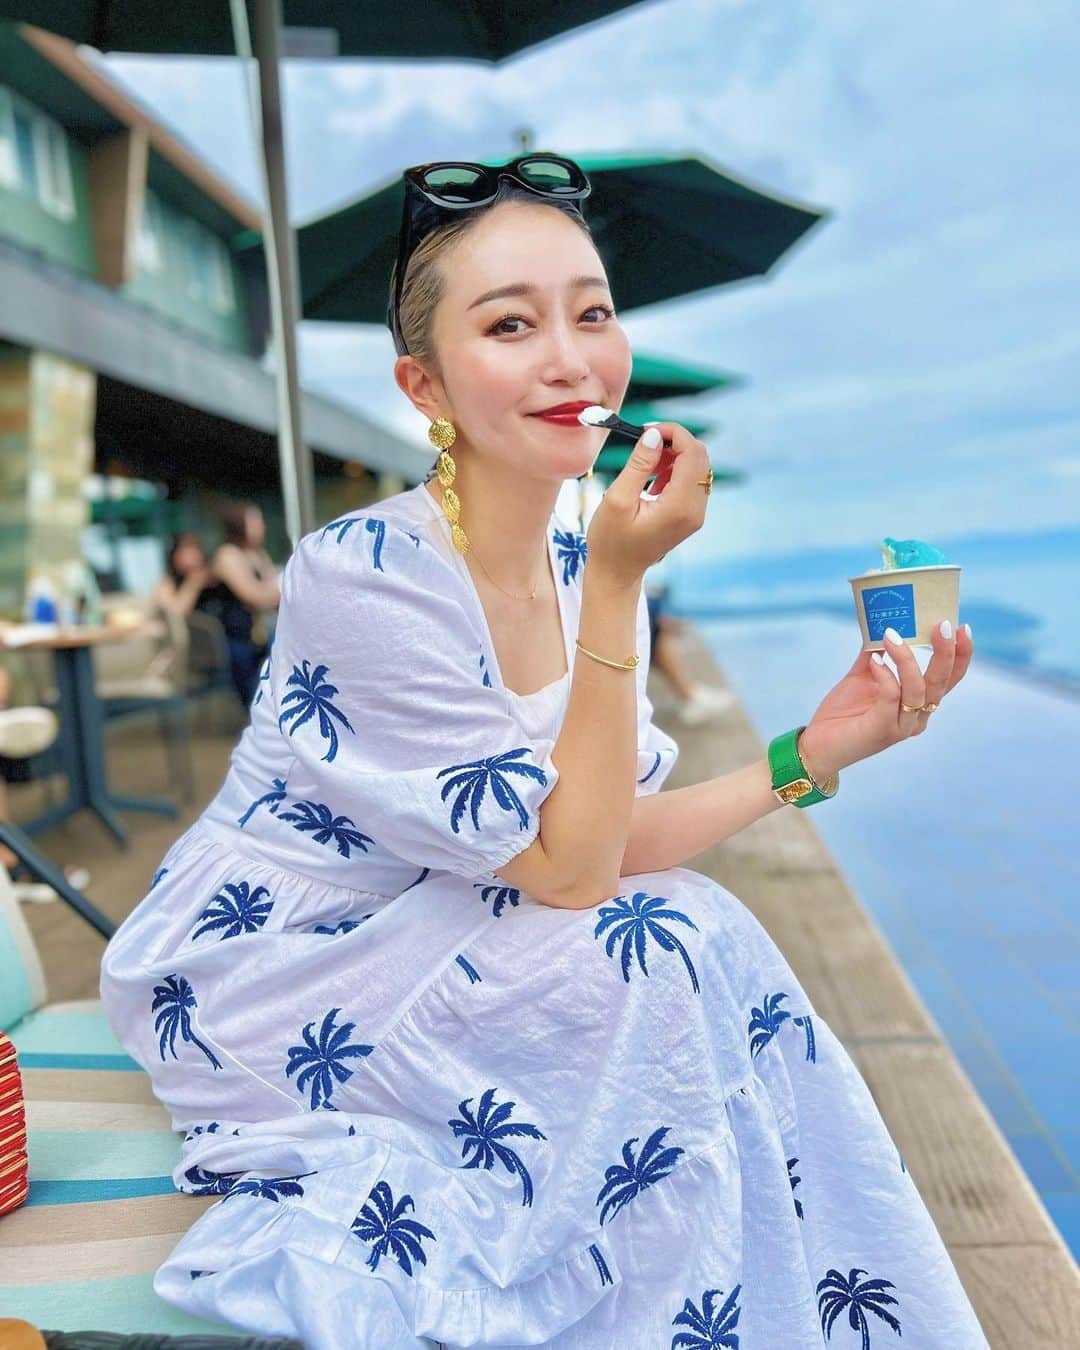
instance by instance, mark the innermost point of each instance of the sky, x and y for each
(913, 364)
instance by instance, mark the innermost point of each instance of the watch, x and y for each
(792, 782)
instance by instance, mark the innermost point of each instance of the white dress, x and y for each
(439, 1111)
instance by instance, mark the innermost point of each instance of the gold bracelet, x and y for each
(629, 664)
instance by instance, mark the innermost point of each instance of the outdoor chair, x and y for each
(149, 674)
(102, 1212)
(208, 662)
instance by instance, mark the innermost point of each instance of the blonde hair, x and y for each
(425, 280)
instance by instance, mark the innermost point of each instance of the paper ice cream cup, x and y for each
(913, 600)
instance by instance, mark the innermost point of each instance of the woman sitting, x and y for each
(246, 585)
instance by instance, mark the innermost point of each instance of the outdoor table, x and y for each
(82, 736)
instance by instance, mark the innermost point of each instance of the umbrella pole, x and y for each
(294, 458)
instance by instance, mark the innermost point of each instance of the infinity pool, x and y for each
(964, 845)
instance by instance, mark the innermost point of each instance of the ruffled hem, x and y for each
(251, 1242)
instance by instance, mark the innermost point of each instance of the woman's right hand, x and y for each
(626, 534)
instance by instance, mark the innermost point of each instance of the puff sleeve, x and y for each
(380, 689)
(657, 751)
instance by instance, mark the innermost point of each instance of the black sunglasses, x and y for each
(431, 190)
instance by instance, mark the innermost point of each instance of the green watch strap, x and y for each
(791, 780)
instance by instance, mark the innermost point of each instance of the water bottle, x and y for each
(41, 600)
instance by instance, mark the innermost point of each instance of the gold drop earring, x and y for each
(442, 433)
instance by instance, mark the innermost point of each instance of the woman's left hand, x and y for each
(862, 715)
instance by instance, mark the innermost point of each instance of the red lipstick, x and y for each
(563, 414)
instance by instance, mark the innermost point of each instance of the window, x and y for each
(9, 164)
(148, 251)
(34, 156)
(53, 168)
(210, 270)
(25, 155)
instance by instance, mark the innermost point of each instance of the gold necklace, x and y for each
(530, 596)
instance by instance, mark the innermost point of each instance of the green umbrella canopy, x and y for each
(655, 377)
(664, 225)
(612, 460)
(481, 30)
(645, 412)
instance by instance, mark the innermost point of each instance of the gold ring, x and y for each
(706, 483)
(914, 707)
(931, 707)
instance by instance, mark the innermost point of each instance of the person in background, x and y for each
(245, 587)
(187, 575)
(698, 702)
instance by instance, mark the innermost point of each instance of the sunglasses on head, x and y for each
(457, 185)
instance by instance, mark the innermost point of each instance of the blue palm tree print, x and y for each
(240, 910)
(269, 1188)
(795, 1181)
(203, 1182)
(157, 876)
(318, 1063)
(835, 1294)
(623, 1181)
(264, 677)
(342, 926)
(634, 921)
(765, 1022)
(173, 1002)
(212, 1128)
(471, 971)
(484, 1132)
(711, 1327)
(807, 1025)
(601, 1265)
(373, 525)
(309, 695)
(271, 800)
(504, 895)
(470, 782)
(572, 552)
(655, 766)
(383, 1222)
(320, 822)
(486, 681)
(340, 527)
(418, 880)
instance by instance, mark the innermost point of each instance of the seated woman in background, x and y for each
(187, 575)
(246, 585)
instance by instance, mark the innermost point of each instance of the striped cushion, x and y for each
(102, 1213)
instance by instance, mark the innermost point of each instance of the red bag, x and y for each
(14, 1169)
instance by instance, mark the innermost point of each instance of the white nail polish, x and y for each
(893, 635)
(651, 438)
(877, 658)
(967, 629)
(946, 629)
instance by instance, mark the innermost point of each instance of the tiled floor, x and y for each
(962, 844)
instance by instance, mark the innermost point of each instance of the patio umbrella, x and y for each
(616, 450)
(665, 226)
(482, 30)
(656, 377)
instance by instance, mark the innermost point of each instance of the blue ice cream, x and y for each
(910, 553)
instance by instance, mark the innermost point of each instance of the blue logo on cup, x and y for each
(889, 607)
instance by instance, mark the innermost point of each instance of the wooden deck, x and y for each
(1021, 1278)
